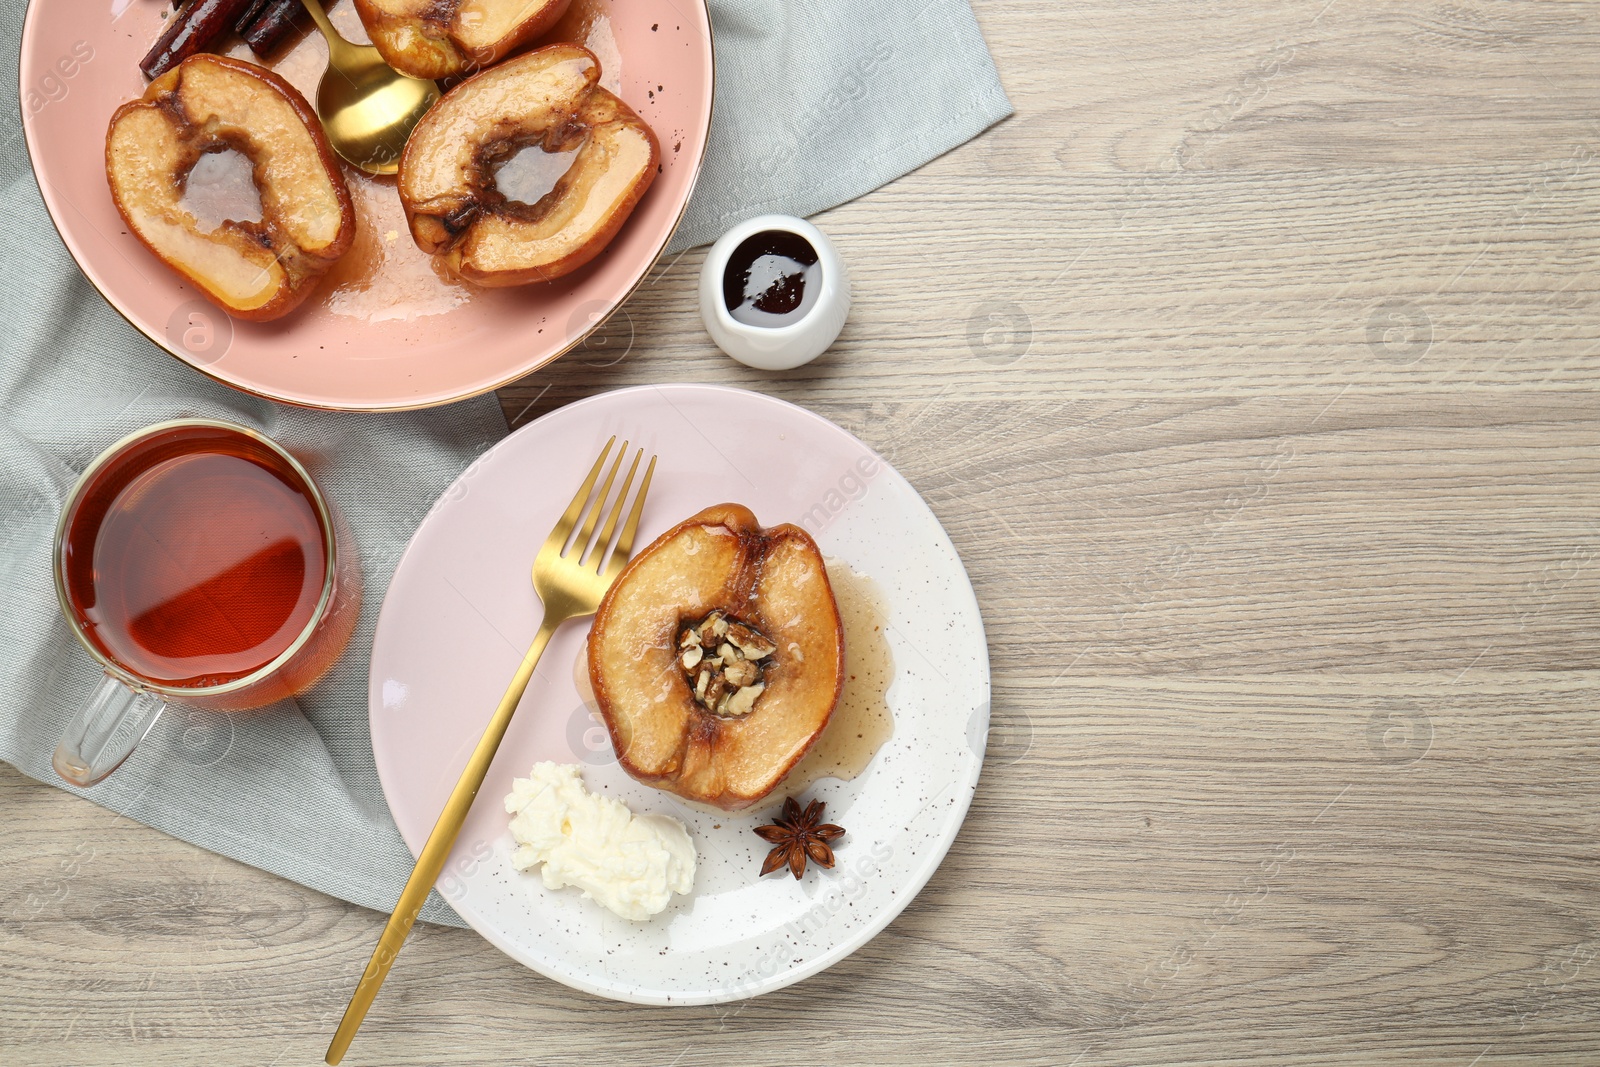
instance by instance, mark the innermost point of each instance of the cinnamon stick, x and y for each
(271, 23)
(250, 14)
(198, 26)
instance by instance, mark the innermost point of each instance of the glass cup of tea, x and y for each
(198, 562)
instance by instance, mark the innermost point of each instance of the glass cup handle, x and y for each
(105, 731)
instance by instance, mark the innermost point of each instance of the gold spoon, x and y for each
(368, 108)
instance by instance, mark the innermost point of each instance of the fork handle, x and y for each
(431, 862)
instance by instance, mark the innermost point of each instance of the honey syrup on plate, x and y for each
(588, 22)
(862, 722)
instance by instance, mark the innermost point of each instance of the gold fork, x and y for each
(570, 577)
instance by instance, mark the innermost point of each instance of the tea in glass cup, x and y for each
(196, 561)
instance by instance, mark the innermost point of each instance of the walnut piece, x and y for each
(724, 661)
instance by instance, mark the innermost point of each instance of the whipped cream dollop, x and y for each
(631, 864)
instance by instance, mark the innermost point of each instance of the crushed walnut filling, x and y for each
(725, 662)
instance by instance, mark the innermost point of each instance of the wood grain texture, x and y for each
(1251, 368)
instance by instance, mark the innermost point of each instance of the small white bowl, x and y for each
(775, 347)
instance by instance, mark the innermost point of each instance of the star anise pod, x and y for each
(799, 835)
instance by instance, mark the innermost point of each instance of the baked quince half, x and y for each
(717, 657)
(526, 171)
(254, 269)
(444, 38)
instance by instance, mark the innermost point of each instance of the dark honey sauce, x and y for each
(772, 279)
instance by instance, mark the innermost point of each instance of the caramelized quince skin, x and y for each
(772, 579)
(549, 98)
(255, 270)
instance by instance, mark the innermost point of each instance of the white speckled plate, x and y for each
(461, 611)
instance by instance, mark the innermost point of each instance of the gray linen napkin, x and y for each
(819, 104)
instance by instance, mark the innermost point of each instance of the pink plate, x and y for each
(384, 331)
(461, 612)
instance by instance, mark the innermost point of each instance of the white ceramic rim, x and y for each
(716, 263)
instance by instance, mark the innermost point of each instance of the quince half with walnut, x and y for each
(580, 157)
(444, 38)
(255, 270)
(717, 657)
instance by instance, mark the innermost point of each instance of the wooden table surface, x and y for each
(1251, 367)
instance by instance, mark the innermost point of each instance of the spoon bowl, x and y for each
(368, 109)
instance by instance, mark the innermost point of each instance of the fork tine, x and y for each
(624, 549)
(563, 529)
(581, 542)
(598, 553)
